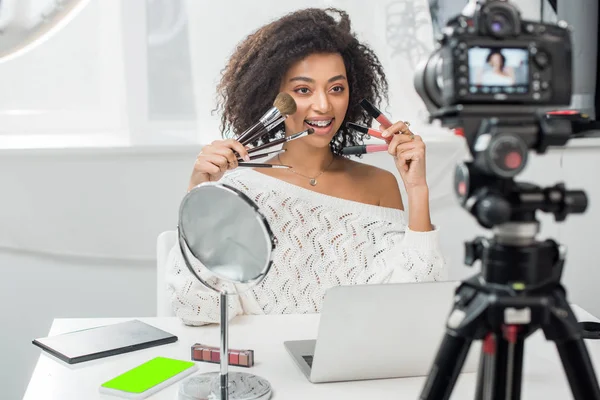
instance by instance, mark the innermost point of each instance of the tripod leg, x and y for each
(465, 324)
(564, 330)
(508, 368)
(514, 364)
(446, 367)
(486, 371)
(500, 368)
(579, 370)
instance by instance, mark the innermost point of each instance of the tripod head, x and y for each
(486, 188)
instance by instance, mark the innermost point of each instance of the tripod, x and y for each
(517, 291)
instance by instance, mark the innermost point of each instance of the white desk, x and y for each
(52, 379)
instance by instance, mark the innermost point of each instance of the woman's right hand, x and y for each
(215, 159)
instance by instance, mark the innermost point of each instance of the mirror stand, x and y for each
(225, 385)
(225, 232)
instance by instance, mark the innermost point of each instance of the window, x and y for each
(117, 74)
(70, 85)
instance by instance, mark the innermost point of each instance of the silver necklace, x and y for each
(312, 180)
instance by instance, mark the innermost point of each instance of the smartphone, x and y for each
(148, 378)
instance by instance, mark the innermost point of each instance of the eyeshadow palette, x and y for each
(211, 354)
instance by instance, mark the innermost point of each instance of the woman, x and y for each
(348, 226)
(496, 74)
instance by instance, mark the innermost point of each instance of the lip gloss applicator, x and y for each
(369, 131)
(375, 113)
(379, 116)
(364, 149)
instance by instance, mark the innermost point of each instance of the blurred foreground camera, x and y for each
(490, 78)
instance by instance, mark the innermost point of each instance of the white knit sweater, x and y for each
(322, 241)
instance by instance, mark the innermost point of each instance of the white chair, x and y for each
(165, 242)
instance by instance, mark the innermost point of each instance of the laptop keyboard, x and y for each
(309, 360)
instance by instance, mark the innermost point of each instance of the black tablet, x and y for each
(104, 341)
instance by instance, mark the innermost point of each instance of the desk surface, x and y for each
(52, 379)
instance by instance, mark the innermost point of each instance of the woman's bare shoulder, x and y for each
(363, 170)
(380, 183)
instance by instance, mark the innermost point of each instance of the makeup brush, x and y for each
(276, 142)
(283, 106)
(262, 165)
(261, 155)
(275, 123)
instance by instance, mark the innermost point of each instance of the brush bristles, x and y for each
(285, 104)
(310, 131)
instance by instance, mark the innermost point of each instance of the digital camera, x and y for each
(494, 57)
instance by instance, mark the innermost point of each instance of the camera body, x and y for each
(491, 75)
(495, 57)
(541, 73)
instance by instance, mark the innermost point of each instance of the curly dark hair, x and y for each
(251, 79)
(496, 51)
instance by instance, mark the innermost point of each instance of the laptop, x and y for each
(379, 331)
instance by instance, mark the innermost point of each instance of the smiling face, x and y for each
(319, 85)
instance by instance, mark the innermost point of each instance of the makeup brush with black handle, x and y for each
(276, 142)
(283, 106)
(262, 155)
(262, 165)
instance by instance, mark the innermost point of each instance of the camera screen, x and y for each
(493, 70)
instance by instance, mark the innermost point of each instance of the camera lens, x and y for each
(428, 80)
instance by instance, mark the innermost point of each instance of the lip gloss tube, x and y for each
(368, 131)
(212, 354)
(375, 113)
(364, 149)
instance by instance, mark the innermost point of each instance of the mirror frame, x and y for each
(272, 241)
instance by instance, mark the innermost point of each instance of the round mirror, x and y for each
(224, 230)
(24, 24)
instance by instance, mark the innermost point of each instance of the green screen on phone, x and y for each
(148, 375)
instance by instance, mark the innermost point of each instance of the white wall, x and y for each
(116, 202)
(79, 225)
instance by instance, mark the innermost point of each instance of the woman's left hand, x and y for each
(409, 154)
